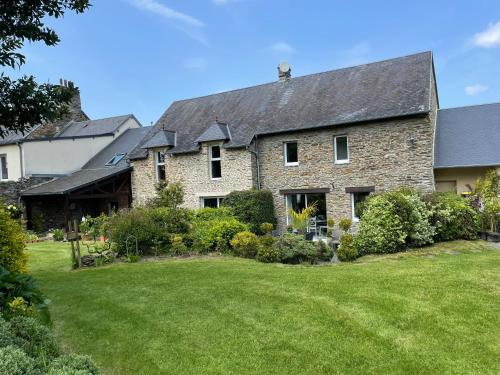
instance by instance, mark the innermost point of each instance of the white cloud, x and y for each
(189, 25)
(489, 37)
(164, 11)
(196, 63)
(476, 89)
(282, 47)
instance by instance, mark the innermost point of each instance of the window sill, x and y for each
(342, 162)
(216, 179)
(291, 164)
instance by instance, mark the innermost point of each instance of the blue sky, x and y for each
(137, 56)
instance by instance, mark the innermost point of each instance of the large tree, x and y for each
(23, 102)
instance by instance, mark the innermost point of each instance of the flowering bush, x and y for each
(392, 221)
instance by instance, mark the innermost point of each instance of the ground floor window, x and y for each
(299, 201)
(4, 173)
(357, 200)
(213, 202)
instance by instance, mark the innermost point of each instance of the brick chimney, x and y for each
(284, 72)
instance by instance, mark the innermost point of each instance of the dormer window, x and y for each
(160, 166)
(115, 160)
(215, 162)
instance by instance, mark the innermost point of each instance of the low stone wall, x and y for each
(10, 191)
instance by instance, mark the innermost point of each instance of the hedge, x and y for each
(252, 207)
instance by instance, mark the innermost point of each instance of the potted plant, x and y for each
(300, 220)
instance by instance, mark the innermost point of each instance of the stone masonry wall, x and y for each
(380, 155)
(143, 180)
(193, 171)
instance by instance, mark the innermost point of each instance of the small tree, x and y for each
(170, 195)
(488, 189)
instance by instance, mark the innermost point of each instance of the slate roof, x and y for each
(215, 132)
(162, 138)
(12, 138)
(385, 89)
(95, 170)
(93, 127)
(468, 136)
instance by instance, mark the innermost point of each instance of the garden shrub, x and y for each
(268, 254)
(222, 232)
(15, 285)
(392, 221)
(294, 249)
(168, 195)
(245, 244)
(324, 251)
(177, 245)
(209, 213)
(266, 228)
(345, 224)
(6, 336)
(13, 361)
(346, 250)
(452, 216)
(213, 228)
(33, 338)
(73, 364)
(38, 222)
(12, 255)
(252, 207)
(176, 221)
(136, 224)
(58, 235)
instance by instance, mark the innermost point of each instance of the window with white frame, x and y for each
(291, 153)
(160, 166)
(212, 202)
(357, 200)
(4, 172)
(215, 162)
(341, 146)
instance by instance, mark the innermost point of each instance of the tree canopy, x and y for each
(23, 102)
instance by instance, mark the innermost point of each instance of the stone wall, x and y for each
(143, 180)
(10, 191)
(381, 154)
(192, 170)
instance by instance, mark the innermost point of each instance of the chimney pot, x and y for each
(284, 72)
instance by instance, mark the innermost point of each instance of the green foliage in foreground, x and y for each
(433, 310)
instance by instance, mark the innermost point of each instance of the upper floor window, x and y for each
(160, 166)
(4, 173)
(341, 149)
(215, 162)
(291, 154)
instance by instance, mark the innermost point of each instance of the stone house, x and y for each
(329, 138)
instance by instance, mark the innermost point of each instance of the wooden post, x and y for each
(70, 238)
(77, 233)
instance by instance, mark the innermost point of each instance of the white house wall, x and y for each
(13, 161)
(64, 156)
(60, 156)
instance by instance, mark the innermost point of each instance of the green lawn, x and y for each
(435, 310)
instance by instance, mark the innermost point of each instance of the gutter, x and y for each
(21, 157)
